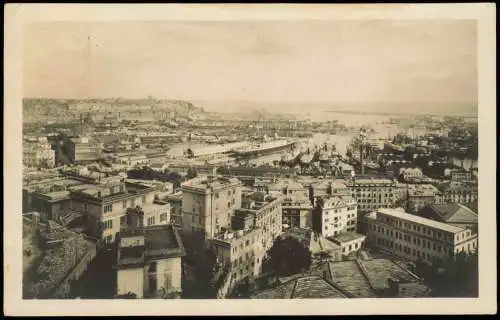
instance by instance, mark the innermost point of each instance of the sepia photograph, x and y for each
(252, 158)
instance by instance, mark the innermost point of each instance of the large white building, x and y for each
(413, 237)
(335, 215)
(253, 231)
(373, 193)
(208, 204)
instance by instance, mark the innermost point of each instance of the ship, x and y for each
(306, 159)
(323, 156)
(290, 157)
(259, 149)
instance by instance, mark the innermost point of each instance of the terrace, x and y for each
(378, 271)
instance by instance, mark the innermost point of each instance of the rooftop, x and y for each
(161, 242)
(67, 248)
(346, 237)
(214, 183)
(454, 212)
(420, 220)
(337, 201)
(308, 287)
(378, 271)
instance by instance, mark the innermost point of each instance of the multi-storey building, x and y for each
(39, 154)
(297, 208)
(335, 215)
(452, 213)
(208, 204)
(149, 262)
(297, 212)
(420, 196)
(374, 193)
(456, 192)
(81, 149)
(413, 237)
(253, 231)
(175, 201)
(107, 205)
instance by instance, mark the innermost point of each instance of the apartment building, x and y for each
(297, 212)
(456, 192)
(39, 154)
(420, 196)
(373, 193)
(149, 262)
(335, 215)
(413, 237)
(175, 201)
(253, 231)
(297, 208)
(107, 205)
(208, 204)
(81, 149)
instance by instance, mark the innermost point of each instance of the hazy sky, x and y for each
(328, 61)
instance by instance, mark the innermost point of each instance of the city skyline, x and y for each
(379, 61)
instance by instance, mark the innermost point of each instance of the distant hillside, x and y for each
(35, 109)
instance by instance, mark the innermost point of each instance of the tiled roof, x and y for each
(454, 212)
(308, 287)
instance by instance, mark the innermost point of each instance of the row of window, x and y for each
(109, 207)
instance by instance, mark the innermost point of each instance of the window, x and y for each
(163, 217)
(217, 195)
(124, 204)
(108, 208)
(85, 207)
(151, 221)
(123, 221)
(108, 224)
(229, 204)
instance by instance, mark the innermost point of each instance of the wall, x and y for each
(345, 246)
(131, 280)
(169, 274)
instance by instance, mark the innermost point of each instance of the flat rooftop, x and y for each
(378, 271)
(161, 242)
(346, 237)
(420, 220)
(216, 183)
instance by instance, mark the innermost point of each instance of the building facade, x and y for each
(81, 149)
(374, 193)
(420, 196)
(149, 262)
(253, 231)
(335, 215)
(208, 204)
(107, 205)
(413, 237)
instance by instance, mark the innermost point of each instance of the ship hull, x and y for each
(261, 152)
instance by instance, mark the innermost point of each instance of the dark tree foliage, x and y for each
(191, 173)
(452, 277)
(288, 256)
(146, 173)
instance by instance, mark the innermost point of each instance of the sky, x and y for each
(431, 61)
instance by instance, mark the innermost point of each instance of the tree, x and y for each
(288, 256)
(191, 173)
